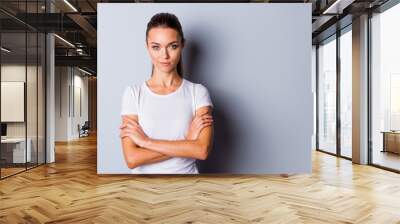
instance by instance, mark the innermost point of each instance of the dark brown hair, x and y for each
(167, 20)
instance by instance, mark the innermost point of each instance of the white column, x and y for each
(50, 91)
(50, 110)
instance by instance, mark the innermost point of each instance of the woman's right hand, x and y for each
(198, 123)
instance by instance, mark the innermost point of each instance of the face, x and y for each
(165, 47)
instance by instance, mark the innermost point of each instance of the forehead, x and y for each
(162, 35)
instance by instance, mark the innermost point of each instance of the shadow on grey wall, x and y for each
(226, 135)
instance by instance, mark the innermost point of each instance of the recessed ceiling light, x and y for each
(5, 50)
(335, 7)
(64, 40)
(70, 5)
(84, 71)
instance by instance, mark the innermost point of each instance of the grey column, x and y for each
(360, 90)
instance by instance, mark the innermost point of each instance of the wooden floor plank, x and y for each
(70, 191)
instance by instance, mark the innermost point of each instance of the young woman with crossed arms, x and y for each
(166, 121)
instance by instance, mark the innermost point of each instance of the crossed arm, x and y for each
(153, 150)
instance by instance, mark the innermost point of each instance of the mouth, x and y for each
(165, 63)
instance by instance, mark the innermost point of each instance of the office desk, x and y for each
(16, 147)
(391, 141)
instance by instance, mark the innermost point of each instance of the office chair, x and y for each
(84, 130)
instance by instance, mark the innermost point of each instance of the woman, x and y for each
(166, 121)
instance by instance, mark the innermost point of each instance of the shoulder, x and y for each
(132, 89)
(200, 88)
(197, 87)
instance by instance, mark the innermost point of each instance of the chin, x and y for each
(166, 69)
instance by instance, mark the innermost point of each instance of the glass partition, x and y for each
(327, 96)
(13, 105)
(22, 77)
(346, 93)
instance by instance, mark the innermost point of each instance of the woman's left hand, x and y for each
(130, 128)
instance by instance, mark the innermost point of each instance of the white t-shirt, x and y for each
(166, 117)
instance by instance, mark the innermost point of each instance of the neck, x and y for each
(165, 79)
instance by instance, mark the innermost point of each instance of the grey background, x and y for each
(255, 60)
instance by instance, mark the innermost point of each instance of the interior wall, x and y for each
(80, 109)
(71, 102)
(314, 92)
(61, 103)
(92, 107)
(16, 72)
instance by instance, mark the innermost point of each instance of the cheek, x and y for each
(176, 55)
(153, 55)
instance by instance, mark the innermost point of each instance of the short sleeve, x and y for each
(129, 104)
(202, 97)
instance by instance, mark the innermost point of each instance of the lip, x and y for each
(165, 63)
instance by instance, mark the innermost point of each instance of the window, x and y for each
(346, 93)
(327, 95)
(385, 88)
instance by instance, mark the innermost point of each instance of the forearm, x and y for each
(178, 148)
(145, 156)
(136, 156)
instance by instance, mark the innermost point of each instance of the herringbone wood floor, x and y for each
(70, 191)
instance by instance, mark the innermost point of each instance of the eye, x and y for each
(155, 48)
(174, 46)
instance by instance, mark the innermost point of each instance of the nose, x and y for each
(165, 53)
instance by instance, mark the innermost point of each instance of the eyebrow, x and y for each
(167, 44)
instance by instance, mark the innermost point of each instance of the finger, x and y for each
(130, 120)
(126, 127)
(206, 125)
(137, 130)
(207, 122)
(130, 128)
(123, 126)
(129, 133)
(198, 123)
(135, 124)
(201, 115)
(206, 119)
(203, 112)
(125, 130)
(123, 134)
(131, 125)
(126, 120)
(204, 115)
(197, 118)
(202, 118)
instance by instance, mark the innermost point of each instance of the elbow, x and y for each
(203, 152)
(131, 163)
